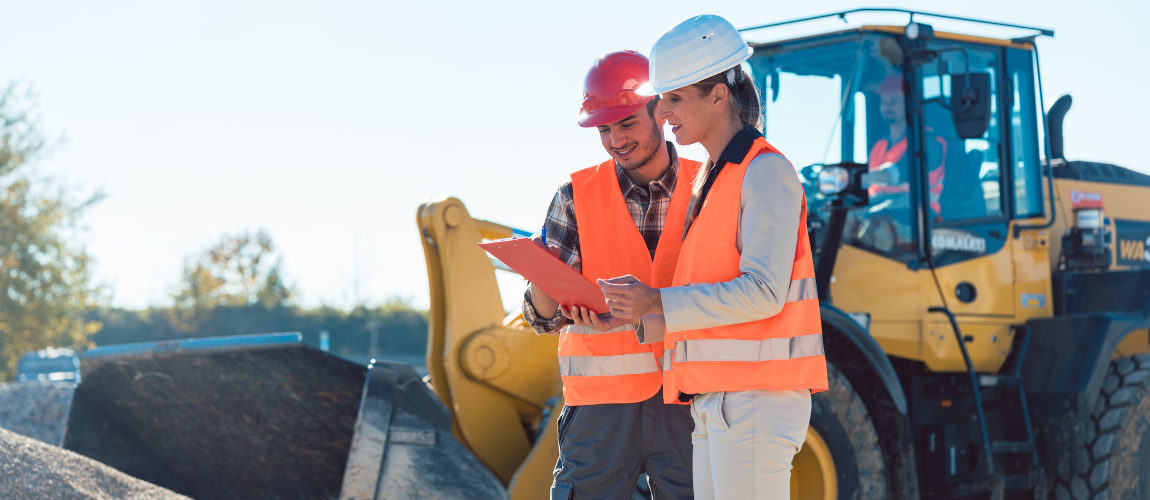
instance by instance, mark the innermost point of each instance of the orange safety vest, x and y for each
(883, 153)
(780, 353)
(613, 367)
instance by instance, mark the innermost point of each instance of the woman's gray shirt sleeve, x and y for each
(771, 200)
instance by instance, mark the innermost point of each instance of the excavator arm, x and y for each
(499, 380)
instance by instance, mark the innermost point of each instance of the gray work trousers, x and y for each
(603, 449)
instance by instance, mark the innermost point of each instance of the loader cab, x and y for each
(919, 156)
(947, 128)
(877, 97)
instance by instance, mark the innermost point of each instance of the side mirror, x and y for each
(970, 98)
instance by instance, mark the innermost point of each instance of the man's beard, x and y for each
(653, 139)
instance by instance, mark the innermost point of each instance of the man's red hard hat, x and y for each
(609, 89)
(892, 83)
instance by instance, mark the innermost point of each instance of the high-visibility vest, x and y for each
(613, 367)
(883, 153)
(782, 352)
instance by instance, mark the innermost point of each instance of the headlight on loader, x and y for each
(833, 180)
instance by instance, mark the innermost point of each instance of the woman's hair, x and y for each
(744, 96)
(744, 101)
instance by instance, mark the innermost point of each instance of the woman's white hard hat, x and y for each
(693, 50)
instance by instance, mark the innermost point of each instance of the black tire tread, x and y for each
(1094, 456)
(850, 410)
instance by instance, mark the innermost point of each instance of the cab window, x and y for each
(839, 102)
(964, 175)
(1024, 120)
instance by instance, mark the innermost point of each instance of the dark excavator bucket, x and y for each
(266, 416)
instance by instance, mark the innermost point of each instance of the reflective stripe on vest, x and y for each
(586, 330)
(782, 352)
(707, 350)
(802, 289)
(613, 367)
(605, 366)
(748, 350)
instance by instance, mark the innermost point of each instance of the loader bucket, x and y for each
(266, 416)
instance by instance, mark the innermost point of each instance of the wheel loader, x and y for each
(985, 315)
(985, 309)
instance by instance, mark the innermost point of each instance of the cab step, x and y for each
(999, 380)
(1011, 446)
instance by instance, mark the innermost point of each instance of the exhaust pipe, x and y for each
(1054, 119)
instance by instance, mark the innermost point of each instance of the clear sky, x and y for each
(328, 122)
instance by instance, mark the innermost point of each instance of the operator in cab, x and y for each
(742, 329)
(623, 216)
(889, 177)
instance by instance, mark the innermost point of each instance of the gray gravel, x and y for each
(38, 410)
(30, 469)
(32, 466)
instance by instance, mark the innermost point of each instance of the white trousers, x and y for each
(744, 442)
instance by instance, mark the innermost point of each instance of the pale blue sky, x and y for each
(301, 118)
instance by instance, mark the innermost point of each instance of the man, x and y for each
(888, 220)
(887, 160)
(623, 216)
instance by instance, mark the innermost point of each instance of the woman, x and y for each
(743, 337)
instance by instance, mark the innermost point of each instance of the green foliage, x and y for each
(400, 329)
(240, 270)
(45, 287)
(234, 287)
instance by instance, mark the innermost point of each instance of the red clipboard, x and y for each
(547, 272)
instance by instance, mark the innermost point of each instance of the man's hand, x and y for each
(538, 240)
(629, 298)
(882, 176)
(582, 316)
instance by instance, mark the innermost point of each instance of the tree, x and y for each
(45, 287)
(240, 270)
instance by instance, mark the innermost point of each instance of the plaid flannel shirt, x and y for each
(647, 206)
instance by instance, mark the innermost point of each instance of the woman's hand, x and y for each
(582, 316)
(629, 298)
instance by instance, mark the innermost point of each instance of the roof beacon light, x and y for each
(914, 31)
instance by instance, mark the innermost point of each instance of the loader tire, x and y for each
(1111, 455)
(841, 458)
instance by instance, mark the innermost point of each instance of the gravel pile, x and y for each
(30, 469)
(36, 413)
(38, 410)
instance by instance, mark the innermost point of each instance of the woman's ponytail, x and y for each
(746, 101)
(745, 104)
(744, 95)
